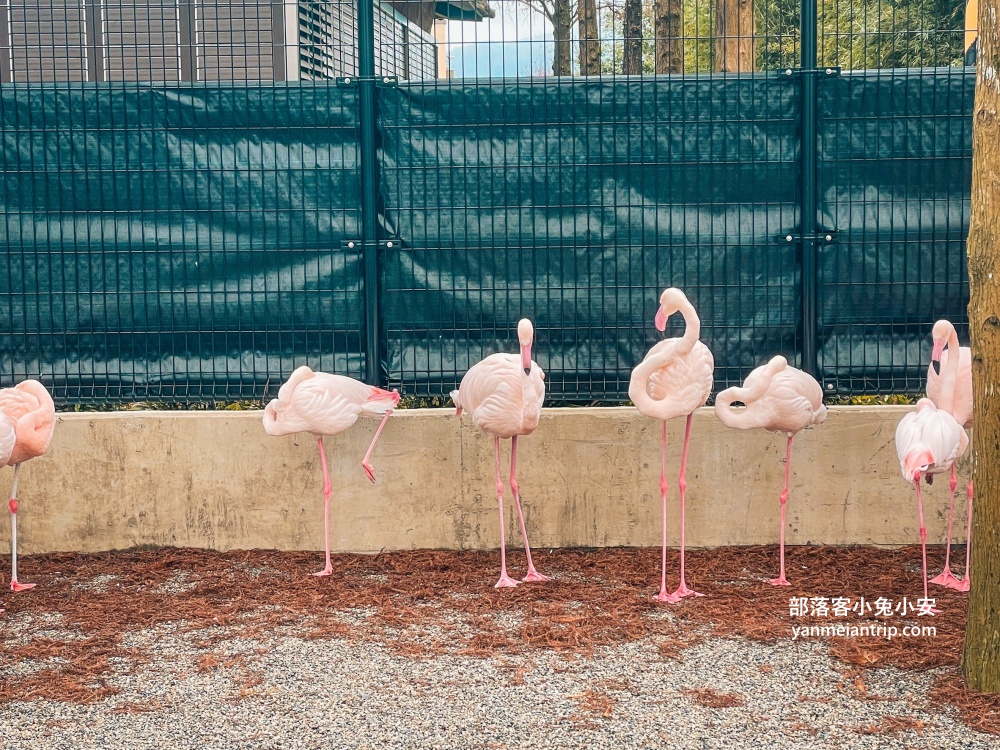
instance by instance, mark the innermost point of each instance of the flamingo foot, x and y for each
(16, 586)
(328, 570)
(779, 581)
(960, 585)
(505, 582)
(663, 596)
(683, 591)
(369, 471)
(534, 575)
(945, 579)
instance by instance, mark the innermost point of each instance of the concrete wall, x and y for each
(589, 477)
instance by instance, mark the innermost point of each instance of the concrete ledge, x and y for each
(588, 477)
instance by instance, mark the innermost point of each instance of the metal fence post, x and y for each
(807, 204)
(369, 187)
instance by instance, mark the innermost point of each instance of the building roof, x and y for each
(464, 10)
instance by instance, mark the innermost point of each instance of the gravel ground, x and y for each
(286, 692)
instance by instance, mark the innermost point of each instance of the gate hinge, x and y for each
(831, 72)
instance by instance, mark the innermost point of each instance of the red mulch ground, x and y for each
(602, 597)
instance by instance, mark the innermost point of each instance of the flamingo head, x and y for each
(916, 463)
(941, 333)
(671, 301)
(525, 335)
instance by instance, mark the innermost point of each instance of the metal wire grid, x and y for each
(178, 243)
(145, 261)
(895, 166)
(576, 205)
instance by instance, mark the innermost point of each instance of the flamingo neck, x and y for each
(692, 328)
(743, 420)
(949, 378)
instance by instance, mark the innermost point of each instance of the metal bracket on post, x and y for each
(381, 81)
(820, 237)
(393, 243)
(832, 72)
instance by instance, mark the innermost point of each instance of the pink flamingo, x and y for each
(778, 398)
(325, 404)
(504, 395)
(928, 441)
(961, 409)
(27, 421)
(674, 379)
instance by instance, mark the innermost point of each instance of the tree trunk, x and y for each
(562, 23)
(981, 659)
(734, 36)
(632, 60)
(668, 28)
(590, 44)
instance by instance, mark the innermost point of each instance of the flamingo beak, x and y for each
(936, 356)
(526, 358)
(661, 320)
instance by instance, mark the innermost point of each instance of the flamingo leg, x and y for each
(781, 580)
(923, 535)
(505, 580)
(946, 578)
(533, 575)
(963, 585)
(326, 508)
(14, 584)
(683, 589)
(364, 462)
(663, 596)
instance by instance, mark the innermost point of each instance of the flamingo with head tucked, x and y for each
(325, 404)
(928, 440)
(778, 398)
(673, 380)
(504, 395)
(944, 335)
(27, 422)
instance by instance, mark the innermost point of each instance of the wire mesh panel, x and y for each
(201, 194)
(575, 203)
(895, 158)
(177, 243)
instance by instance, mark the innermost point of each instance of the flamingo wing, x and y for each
(491, 392)
(16, 402)
(685, 381)
(7, 439)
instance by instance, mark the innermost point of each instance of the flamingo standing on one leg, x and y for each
(961, 409)
(504, 395)
(28, 414)
(928, 441)
(325, 404)
(673, 380)
(778, 398)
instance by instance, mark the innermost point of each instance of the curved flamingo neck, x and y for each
(692, 327)
(742, 420)
(949, 378)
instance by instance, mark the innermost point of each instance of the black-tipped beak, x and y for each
(527, 370)
(936, 364)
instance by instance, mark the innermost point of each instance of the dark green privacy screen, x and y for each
(576, 205)
(190, 242)
(181, 242)
(894, 177)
